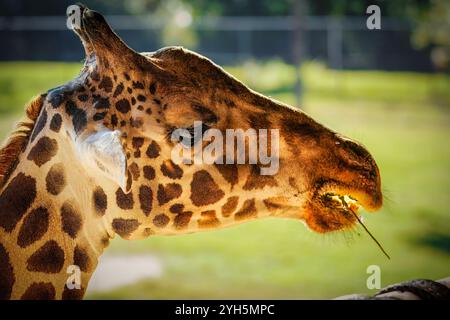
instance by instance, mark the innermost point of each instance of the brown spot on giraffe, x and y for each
(123, 106)
(128, 187)
(168, 192)
(137, 85)
(146, 199)
(34, 226)
(137, 143)
(204, 190)
(161, 220)
(100, 201)
(176, 208)
(125, 227)
(73, 294)
(118, 90)
(171, 170)
(16, 199)
(271, 205)
(6, 275)
(44, 149)
(208, 219)
(39, 291)
(71, 220)
(229, 172)
(48, 259)
(55, 123)
(114, 120)
(149, 172)
(230, 206)
(135, 172)
(153, 150)
(124, 200)
(247, 211)
(56, 179)
(106, 84)
(81, 259)
(101, 103)
(182, 220)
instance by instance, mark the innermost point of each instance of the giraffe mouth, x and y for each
(346, 206)
(338, 208)
(348, 198)
(345, 202)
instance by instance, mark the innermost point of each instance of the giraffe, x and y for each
(92, 160)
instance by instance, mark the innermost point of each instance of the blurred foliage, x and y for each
(177, 21)
(19, 81)
(397, 8)
(275, 77)
(434, 29)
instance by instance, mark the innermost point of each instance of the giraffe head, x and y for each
(117, 120)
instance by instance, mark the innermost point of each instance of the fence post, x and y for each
(335, 43)
(299, 48)
(245, 44)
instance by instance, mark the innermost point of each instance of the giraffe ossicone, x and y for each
(92, 160)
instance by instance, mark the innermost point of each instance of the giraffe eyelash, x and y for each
(192, 130)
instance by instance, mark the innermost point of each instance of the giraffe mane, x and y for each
(18, 139)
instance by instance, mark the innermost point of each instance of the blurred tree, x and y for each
(177, 24)
(176, 16)
(434, 29)
(397, 8)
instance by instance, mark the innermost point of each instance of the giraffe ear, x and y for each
(103, 152)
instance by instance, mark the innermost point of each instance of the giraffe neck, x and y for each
(50, 219)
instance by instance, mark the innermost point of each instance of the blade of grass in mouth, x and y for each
(365, 228)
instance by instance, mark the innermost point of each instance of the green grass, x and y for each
(403, 119)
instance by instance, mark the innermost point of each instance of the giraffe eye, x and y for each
(189, 136)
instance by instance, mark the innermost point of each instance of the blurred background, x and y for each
(388, 88)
